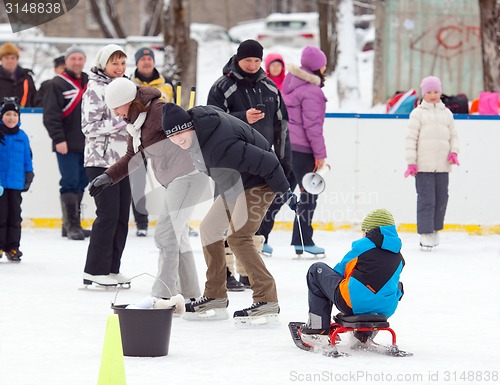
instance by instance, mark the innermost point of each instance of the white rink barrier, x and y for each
(366, 155)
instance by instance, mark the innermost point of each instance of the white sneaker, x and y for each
(435, 234)
(103, 280)
(120, 278)
(427, 240)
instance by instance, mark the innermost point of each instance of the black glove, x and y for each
(2, 140)
(290, 199)
(28, 178)
(99, 183)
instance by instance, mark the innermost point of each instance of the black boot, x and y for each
(71, 216)
(85, 231)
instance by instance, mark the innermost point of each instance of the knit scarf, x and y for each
(134, 129)
(9, 131)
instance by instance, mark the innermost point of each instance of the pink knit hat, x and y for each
(430, 83)
(312, 58)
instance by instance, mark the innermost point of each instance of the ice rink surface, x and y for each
(52, 332)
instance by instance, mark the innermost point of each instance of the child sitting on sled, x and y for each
(365, 281)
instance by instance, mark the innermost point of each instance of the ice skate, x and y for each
(267, 251)
(14, 255)
(435, 236)
(427, 241)
(260, 314)
(192, 232)
(245, 281)
(99, 281)
(123, 280)
(258, 242)
(232, 284)
(315, 251)
(141, 232)
(207, 309)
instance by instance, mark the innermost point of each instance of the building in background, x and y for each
(427, 37)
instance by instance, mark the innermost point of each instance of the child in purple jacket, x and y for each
(306, 105)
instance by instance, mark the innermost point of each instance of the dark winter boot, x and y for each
(71, 216)
(85, 232)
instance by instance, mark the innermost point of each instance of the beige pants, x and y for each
(241, 220)
(258, 242)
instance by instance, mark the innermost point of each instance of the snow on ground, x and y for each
(52, 333)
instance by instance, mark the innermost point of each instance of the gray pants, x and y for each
(176, 265)
(432, 199)
(323, 283)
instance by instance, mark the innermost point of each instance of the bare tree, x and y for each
(328, 18)
(490, 43)
(152, 17)
(180, 50)
(347, 65)
(107, 17)
(379, 89)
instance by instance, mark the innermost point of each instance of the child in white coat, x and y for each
(431, 148)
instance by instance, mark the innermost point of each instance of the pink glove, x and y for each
(411, 170)
(453, 158)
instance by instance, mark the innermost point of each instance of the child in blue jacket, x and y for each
(16, 174)
(365, 281)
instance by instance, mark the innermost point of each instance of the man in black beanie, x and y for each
(248, 177)
(245, 92)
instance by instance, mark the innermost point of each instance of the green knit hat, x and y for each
(377, 218)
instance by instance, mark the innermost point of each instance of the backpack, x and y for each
(458, 104)
(488, 103)
(402, 102)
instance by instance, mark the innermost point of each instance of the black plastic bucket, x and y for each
(145, 332)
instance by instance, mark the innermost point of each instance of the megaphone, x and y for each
(314, 182)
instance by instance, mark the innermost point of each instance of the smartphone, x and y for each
(261, 107)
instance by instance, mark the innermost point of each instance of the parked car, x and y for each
(290, 29)
(204, 33)
(247, 29)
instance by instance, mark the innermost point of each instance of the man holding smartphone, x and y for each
(245, 92)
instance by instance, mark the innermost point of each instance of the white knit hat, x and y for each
(104, 54)
(120, 92)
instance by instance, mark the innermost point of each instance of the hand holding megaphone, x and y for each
(314, 182)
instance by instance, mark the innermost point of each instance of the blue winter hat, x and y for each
(144, 51)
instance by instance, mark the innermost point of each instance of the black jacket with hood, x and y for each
(236, 91)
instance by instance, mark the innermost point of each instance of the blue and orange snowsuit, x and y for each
(365, 281)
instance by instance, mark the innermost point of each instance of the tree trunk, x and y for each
(328, 17)
(107, 17)
(379, 91)
(490, 43)
(152, 18)
(347, 65)
(179, 48)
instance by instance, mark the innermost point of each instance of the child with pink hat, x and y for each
(431, 149)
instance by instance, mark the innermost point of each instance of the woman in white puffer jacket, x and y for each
(431, 148)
